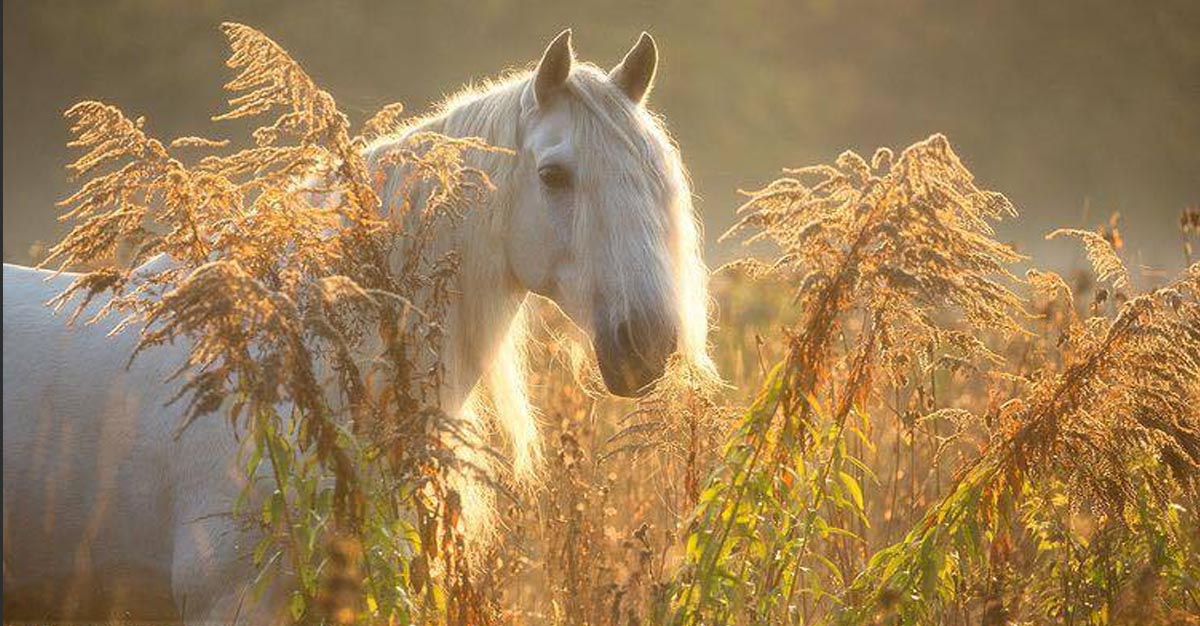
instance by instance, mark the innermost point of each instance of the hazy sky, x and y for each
(1062, 105)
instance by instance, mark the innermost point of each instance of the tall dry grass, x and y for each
(909, 433)
(307, 307)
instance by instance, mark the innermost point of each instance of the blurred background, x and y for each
(1074, 108)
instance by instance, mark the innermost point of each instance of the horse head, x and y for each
(601, 220)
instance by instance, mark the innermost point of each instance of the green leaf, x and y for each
(831, 566)
(853, 487)
(693, 547)
(297, 605)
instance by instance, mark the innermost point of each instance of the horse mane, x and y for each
(607, 121)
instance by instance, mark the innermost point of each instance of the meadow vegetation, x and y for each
(907, 431)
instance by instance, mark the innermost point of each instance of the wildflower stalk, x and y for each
(903, 580)
(860, 220)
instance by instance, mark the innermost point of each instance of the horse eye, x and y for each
(554, 176)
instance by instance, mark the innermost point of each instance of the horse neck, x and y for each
(482, 314)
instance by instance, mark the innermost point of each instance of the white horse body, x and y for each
(107, 513)
(99, 495)
(105, 507)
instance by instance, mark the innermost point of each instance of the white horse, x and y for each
(107, 514)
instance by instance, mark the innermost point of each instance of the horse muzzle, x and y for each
(633, 355)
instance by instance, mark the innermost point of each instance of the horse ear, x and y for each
(635, 73)
(553, 69)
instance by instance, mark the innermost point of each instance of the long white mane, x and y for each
(640, 162)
